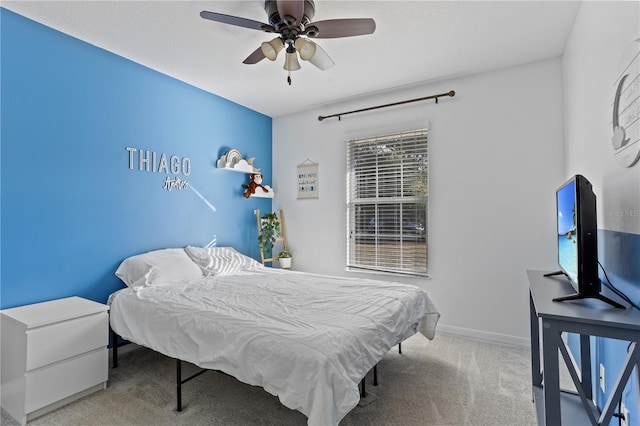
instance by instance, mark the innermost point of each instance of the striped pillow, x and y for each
(220, 260)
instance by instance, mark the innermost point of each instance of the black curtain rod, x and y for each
(450, 93)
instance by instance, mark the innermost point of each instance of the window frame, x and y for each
(387, 163)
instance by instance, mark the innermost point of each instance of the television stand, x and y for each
(548, 322)
(579, 296)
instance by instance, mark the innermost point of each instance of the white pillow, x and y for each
(166, 266)
(221, 260)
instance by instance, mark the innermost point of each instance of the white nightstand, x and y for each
(52, 353)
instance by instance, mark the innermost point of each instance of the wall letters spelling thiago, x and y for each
(149, 161)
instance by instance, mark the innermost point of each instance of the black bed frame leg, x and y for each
(114, 348)
(179, 385)
(400, 347)
(375, 375)
(363, 391)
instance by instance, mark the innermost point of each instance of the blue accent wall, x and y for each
(619, 253)
(72, 208)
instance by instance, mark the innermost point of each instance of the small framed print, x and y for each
(307, 180)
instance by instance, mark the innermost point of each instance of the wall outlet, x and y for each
(602, 377)
(624, 421)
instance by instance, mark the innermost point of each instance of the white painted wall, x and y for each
(496, 158)
(600, 34)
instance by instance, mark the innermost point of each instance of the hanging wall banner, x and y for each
(307, 180)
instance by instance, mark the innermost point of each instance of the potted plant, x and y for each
(284, 257)
(269, 231)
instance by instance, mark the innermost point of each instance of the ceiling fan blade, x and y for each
(255, 57)
(293, 8)
(335, 28)
(237, 21)
(321, 59)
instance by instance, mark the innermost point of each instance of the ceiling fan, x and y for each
(292, 21)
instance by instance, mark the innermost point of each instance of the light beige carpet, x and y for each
(447, 381)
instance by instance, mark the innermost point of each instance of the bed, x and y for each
(309, 339)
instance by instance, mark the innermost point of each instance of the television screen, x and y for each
(567, 230)
(578, 240)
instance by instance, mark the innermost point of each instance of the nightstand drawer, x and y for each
(58, 341)
(67, 378)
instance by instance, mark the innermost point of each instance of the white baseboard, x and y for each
(484, 335)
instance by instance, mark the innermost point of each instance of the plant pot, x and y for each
(285, 262)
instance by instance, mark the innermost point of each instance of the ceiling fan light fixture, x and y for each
(291, 61)
(293, 21)
(306, 48)
(270, 49)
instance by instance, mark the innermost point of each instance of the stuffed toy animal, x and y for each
(255, 181)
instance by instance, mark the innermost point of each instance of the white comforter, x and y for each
(309, 339)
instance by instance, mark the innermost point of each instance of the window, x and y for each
(387, 203)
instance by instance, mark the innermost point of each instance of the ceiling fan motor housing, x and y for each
(280, 23)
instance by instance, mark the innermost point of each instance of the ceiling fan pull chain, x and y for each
(289, 78)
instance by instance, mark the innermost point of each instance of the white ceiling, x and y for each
(414, 42)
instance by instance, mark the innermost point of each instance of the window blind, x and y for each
(387, 203)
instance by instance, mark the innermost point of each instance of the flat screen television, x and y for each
(578, 239)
